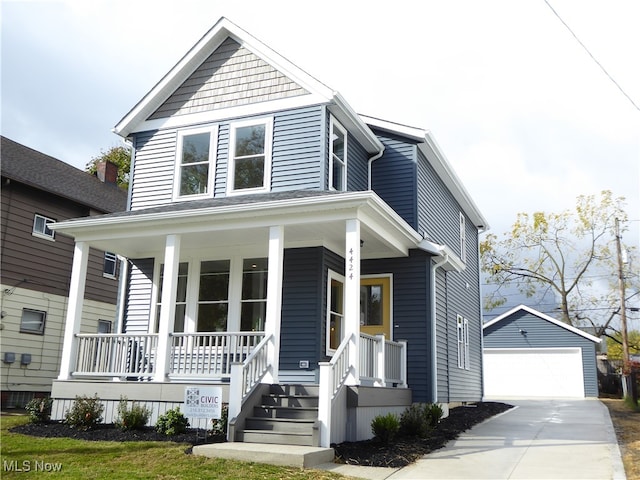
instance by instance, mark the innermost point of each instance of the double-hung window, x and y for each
(254, 294)
(463, 342)
(213, 296)
(195, 163)
(41, 227)
(181, 297)
(338, 157)
(250, 156)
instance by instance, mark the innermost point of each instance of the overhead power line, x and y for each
(592, 57)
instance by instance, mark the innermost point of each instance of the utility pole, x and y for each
(623, 312)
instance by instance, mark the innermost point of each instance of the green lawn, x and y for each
(82, 460)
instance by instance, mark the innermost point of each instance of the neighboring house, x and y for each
(38, 190)
(275, 237)
(530, 354)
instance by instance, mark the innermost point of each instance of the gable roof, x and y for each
(30, 167)
(543, 317)
(431, 150)
(310, 91)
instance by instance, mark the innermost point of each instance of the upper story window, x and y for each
(463, 238)
(110, 265)
(250, 156)
(41, 227)
(338, 157)
(195, 163)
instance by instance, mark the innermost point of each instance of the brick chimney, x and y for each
(107, 172)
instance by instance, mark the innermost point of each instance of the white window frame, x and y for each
(212, 130)
(334, 124)
(340, 278)
(110, 257)
(268, 148)
(462, 329)
(33, 331)
(45, 232)
(463, 237)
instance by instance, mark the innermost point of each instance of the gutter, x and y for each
(371, 160)
(434, 346)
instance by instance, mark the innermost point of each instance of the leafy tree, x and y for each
(614, 344)
(121, 157)
(558, 252)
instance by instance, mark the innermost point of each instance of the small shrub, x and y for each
(435, 414)
(385, 427)
(133, 418)
(219, 425)
(172, 422)
(415, 421)
(85, 413)
(39, 409)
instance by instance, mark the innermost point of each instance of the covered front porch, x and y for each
(354, 226)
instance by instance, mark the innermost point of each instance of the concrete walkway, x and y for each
(539, 439)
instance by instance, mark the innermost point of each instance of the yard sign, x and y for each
(203, 402)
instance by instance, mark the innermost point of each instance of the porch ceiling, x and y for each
(316, 220)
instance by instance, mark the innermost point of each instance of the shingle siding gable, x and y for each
(231, 76)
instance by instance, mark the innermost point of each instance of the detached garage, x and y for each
(529, 354)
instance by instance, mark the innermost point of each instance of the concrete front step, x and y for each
(277, 437)
(273, 454)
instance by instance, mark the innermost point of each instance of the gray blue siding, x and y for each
(393, 177)
(543, 334)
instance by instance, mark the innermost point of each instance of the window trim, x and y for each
(335, 124)
(463, 238)
(462, 337)
(332, 275)
(44, 235)
(40, 331)
(268, 152)
(213, 147)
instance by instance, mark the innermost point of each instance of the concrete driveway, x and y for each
(539, 439)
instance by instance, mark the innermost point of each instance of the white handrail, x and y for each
(115, 355)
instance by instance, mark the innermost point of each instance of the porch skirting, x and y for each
(158, 397)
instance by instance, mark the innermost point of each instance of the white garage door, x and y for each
(540, 372)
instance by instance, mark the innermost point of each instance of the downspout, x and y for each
(371, 160)
(434, 359)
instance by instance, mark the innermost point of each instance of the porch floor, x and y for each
(273, 454)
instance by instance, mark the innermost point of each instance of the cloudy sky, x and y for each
(526, 117)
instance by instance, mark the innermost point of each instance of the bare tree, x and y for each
(561, 252)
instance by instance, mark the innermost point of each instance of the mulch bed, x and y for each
(400, 453)
(404, 451)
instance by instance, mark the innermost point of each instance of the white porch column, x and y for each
(352, 297)
(274, 300)
(167, 306)
(74, 311)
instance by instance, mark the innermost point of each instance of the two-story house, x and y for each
(38, 190)
(321, 267)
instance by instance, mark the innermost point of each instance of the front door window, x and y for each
(375, 306)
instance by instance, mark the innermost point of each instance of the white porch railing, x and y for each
(116, 355)
(247, 374)
(209, 354)
(382, 362)
(332, 378)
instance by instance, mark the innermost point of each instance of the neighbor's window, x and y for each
(463, 238)
(41, 227)
(32, 321)
(338, 157)
(250, 156)
(195, 162)
(463, 342)
(254, 294)
(104, 326)
(110, 265)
